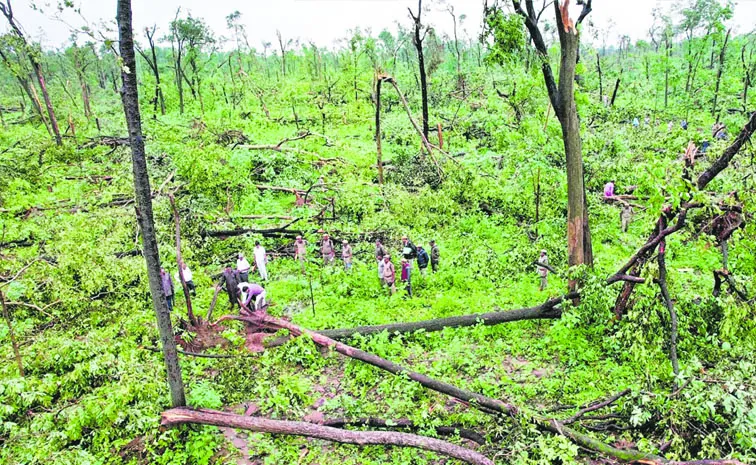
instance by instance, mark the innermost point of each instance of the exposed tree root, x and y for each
(184, 415)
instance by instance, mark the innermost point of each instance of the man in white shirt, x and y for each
(260, 261)
(243, 266)
(187, 274)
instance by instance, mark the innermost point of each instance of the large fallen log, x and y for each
(281, 230)
(183, 415)
(547, 310)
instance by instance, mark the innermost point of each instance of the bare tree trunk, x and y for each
(179, 261)
(563, 100)
(378, 148)
(180, 416)
(600, 76)
(722, 56)
(668, 51)
(417, 40)
(616, 88)
(130, 98)
(12, 335)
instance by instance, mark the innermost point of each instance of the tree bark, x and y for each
(601, 78)
(178, 416)
(417, 40)
(130, 99)
(179, 260)
(14, 344)
(616, 89)
(464, 433)
(724, 160)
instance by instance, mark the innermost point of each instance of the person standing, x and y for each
(327, 250)
(300, 251)
(406, 276)
(389, 273)
(381, 267)
(261, 260)
(167, 282)
(346, 254)
(187, 275)
(380, 250)
(230, 282)
(422, 259)
(626, 216)
(434, 256)
(243, 266)
(409, 251)
(543, 262)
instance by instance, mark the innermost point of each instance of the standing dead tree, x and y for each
(562, 97)
(130, 99)
(417, 41)
(7, 10)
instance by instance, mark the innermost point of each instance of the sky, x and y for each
(324, 21)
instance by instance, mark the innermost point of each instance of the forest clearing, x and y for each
(525, 240)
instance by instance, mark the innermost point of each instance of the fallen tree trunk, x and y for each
(475, 400)
(547, 310)
(464, 433)
(281, 230)
(182, 415)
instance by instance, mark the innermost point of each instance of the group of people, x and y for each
(410, 252)
(626, 212)
(167, 283)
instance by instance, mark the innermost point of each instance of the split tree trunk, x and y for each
(378, 149)
(130, 99)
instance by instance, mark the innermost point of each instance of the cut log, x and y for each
(178, 416)
(547, 310)
(279, 231)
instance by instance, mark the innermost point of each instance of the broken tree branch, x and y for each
(183, 415)
(595, 406)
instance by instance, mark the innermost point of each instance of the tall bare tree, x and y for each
(151, 60)
(7, 10)
(562, 97)
(419, 33)
(130, 99)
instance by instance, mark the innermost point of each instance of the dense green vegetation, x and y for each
(74, 282)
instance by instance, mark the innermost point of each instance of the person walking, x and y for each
(243, 266)
(422, 259)
(167, 283)
(261, 260)
(230, 282)
(409, 251)
(327, 250)
(380, 250)
(300, 251)
(389, 274)
(186, 273)
(406, 276)
(434, 256)
(346, 255)
(542, 270)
